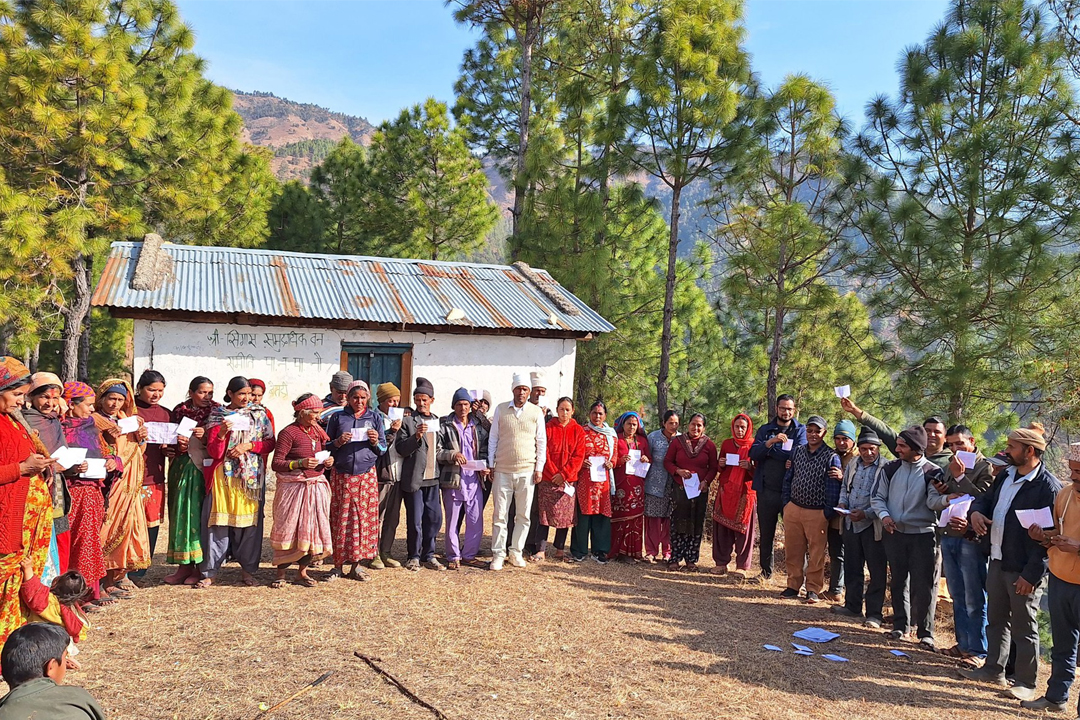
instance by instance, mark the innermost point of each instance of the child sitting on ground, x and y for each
(58, 604)
(33, 662)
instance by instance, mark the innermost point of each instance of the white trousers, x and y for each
(520, 488)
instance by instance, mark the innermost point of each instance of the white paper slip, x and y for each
(208, 462)
(1041, 517)
(322, 456)
(476, 395)
(184, 428)
(835, 658)
(386, 424)
(968, 458)
(395, 414)
(161, 433)
(957, 508)
(633, 463)
(842, 511)
(961, 499)
(68, 457)
(569, 489)
(732, 459)
(238, 422)
(774, 648)
(95, 469)
(842, 391)
(128, 424)
(692, 486)
(643, 469)
(788, 444)
(804, 653)
(542, 401)
(597, 471)
(475, 465)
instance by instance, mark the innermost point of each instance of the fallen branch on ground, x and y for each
(373, 663)
(322, 678)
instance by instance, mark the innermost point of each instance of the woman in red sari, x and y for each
(554, 493)
(628, 504)
(25, 502)
(592, 525)
(733, 513)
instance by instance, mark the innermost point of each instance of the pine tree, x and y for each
(296, 220)
(342, 188)
(687, 75)
(966, 197)
(432, 191)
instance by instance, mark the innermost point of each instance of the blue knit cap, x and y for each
(459, 395)
(846, 428)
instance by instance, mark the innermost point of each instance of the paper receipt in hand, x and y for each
(185, 427)
(322, 456)
(732, 459)
(692, 486)
(128, 424)
(1041, 517)
(238, 422)
(395, 413)
(95, 469)
(597, 471)
(68, 457)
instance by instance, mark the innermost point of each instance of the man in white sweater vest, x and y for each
(517, 449)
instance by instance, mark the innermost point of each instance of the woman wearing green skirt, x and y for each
(187, 486)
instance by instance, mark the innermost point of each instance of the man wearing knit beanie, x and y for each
(1017, 573)
(418, 445)
(844, 445)
(900, 500)
(339, 388)
(389, 468)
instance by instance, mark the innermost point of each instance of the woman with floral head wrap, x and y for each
(25, 503)
(628, 503)
(124, 537)
(301, 531)
(240, 439)
(187, 485)
(88, 494)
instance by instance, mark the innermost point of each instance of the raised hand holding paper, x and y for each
(238, 422)
(161, 433)
(128, 424)
(185, 427)
(842, 391)
(968, 458)
(788, 444)
(731, 459)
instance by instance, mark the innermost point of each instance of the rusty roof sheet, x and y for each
(391, 291)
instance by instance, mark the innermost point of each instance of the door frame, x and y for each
(403, 349)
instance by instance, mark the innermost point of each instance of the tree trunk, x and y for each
(526, 41)
(35, 357)
(74, 316)
(7, 332)
(773, 378)
(669, 305)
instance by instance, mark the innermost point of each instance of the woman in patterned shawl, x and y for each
(240, 439)
(25, 503)
(124, 538)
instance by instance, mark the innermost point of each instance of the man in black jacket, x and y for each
(1017, 573)
(773, 445)
(417, 443)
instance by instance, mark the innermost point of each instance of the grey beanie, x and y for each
(341, 381)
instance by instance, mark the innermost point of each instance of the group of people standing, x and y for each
(347, 464)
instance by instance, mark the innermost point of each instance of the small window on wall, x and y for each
(377, 363)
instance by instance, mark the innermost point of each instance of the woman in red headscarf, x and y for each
(733, 513)
(25, 503)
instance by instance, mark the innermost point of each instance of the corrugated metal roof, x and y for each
(342, 287)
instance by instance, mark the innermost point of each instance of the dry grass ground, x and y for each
(549, 641)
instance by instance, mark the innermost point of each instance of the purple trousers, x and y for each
(724, 540)
(473, 509)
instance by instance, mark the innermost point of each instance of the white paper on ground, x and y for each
(128, 424)
(842, 391)
(732, 459)
(835, 658)
(802, 648)
(238, 422)
(692, 486)
(185, 427)
(788, 444)
(569, 489)
(322, 456)
(815, 634)
(395, 414)
(475, 465)
(774, 648)
(968, 458)
(597, 471)
(95, 469)
(68, 457)
(1041, 517)
(158, 433)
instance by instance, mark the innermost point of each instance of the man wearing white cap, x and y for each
(517, 449)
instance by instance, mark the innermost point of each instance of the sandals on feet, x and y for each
(306, 581)
(278, 583)
(203, 583)
(358, 574)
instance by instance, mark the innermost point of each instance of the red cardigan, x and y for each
(565, 450)
(15, 446)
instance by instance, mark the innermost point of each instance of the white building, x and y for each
(293, 319)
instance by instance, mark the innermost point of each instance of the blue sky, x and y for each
(374, 57)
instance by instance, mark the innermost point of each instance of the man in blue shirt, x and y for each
(770, 459)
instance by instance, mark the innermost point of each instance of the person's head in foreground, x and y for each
(37, 650)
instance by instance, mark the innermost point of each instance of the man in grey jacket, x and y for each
(902, 501)
(862, 534)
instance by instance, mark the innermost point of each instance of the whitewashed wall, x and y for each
(292, 362)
